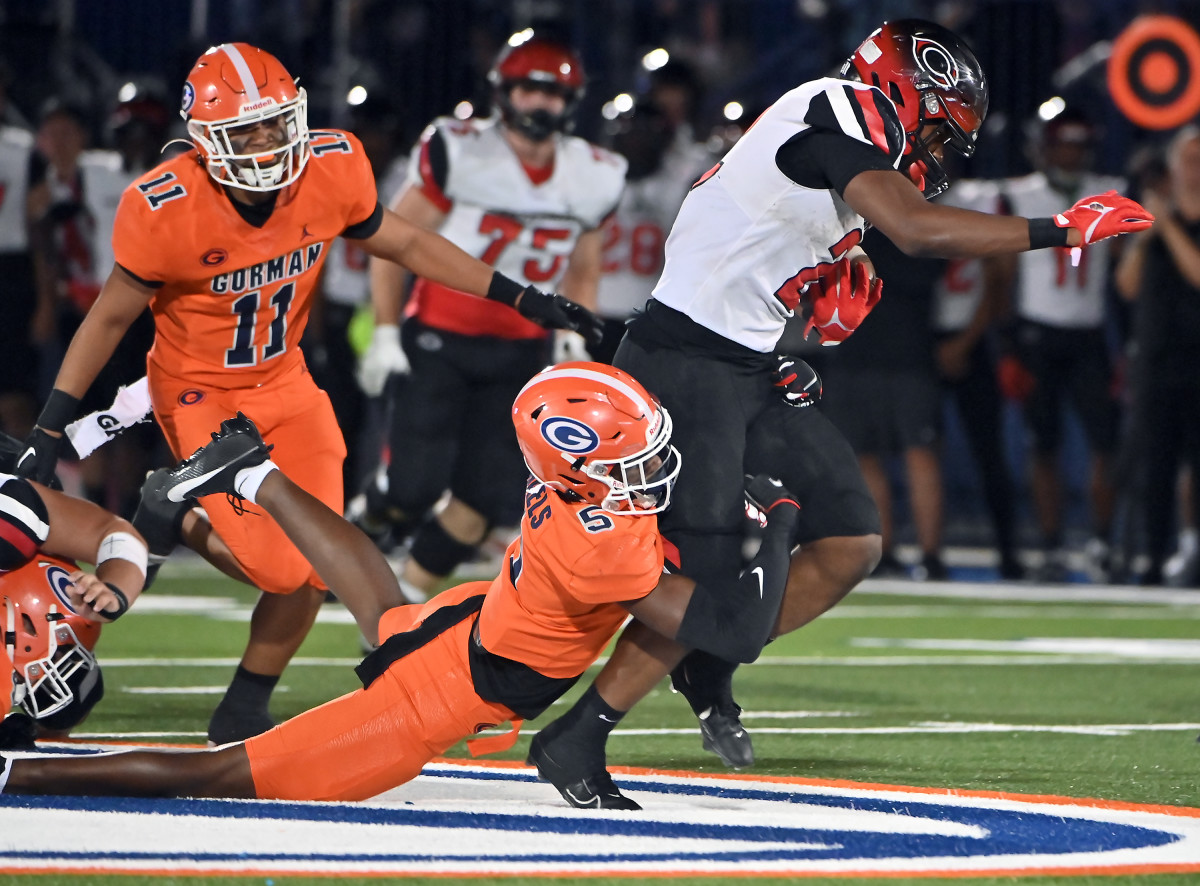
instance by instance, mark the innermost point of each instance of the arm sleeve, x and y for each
(24, 522)
(734, 623)
(135, 238)
(430, 169)
(368, 226)
(819, 160)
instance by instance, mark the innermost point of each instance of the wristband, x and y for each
(60, 408)
(504, 290)
(123, 546)
(122, 603)
(1045, 232)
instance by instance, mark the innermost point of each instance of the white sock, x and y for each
(4, 771)
(248, 480)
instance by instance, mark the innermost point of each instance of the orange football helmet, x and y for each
(48, 643)
(591, 431)
(232, 89)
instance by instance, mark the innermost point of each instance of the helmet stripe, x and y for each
(243, 71)
(592, 375)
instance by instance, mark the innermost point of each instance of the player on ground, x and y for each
(775, 223)
(528, 198)
(50, 610)
(225, 243)
(484, 653)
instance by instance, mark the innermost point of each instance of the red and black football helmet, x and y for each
(540, 63)
(931, 76)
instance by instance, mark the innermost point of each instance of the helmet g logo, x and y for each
(569, 435)
(59, 581)
(189, 97)
(936, 62)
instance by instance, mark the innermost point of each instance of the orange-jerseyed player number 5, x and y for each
(243, 352)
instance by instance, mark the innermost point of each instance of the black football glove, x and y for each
(553, 311)
(39, 458)
(764, 494)
(796, 381)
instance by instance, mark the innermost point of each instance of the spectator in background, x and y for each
(970, 298)
(882, 393)
(26, 313)
(661, 170)
(1060, 340)
(1160, 272)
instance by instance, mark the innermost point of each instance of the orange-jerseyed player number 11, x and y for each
(246, 308)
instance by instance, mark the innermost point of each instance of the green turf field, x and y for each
(1044, 694)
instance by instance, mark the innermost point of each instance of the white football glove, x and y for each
(384, 357)
(569, 346)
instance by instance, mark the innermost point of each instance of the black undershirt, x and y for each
(821, 160)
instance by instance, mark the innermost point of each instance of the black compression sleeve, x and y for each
(817, 159)
(734, 623)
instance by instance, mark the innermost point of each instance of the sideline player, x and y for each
(529, 199)
(484, 653)
(225, 243)
(783, 210)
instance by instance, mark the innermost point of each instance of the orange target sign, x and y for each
(1154, 72)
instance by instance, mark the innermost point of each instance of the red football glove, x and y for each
(1015, 381)
(1104, 215)
(841, 297)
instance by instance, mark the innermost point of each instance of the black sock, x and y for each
(590, 719)
(704, 680)
(249, 690)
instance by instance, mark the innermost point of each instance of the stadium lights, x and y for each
(1051, 108)
(623, 102)
(521, 37)
(464, 110)
(734, 111)
(127, 92)
(655, 59)
(356, 96)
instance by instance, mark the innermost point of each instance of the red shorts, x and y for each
(293, 415)
(373, 739)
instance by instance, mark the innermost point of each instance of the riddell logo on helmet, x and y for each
(261, 105)
(936, 61)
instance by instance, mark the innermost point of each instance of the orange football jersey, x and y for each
(556, 602)
(235, 297)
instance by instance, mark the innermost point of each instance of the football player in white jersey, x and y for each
(769, 228)
(525, 196)
(971, 298)
(661, 170)
(1059, 337)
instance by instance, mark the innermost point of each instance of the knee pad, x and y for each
(438, 552)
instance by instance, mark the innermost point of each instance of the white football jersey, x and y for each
(16, 148)
(748, 239)
(957, 295)
(497, 213)
(635, 236)
(104, 180)
(1049, 289)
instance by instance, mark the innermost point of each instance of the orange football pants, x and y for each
(371, 740)
(293, 415)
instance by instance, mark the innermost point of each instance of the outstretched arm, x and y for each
(731, 622)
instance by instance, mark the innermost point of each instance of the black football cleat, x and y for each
(213, 467)
(721, 732)
(159, 521)
(595, 790)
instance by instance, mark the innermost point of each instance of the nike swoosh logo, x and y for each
(180, 493)
(607, 719)
(24, 455)
(739, 733)
(594, 801)
(757, 571)
(1092, 227)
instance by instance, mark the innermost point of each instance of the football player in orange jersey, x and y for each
(475, 656)
(224, 243)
